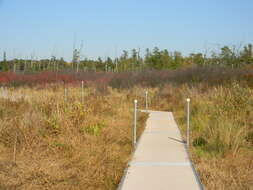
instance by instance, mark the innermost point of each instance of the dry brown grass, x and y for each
(65, 145)
(221, 131)
(228, 172)
(86, 145)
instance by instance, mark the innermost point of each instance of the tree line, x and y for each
(155, 59)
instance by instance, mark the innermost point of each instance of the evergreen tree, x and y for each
(247, 54)
(5, 63)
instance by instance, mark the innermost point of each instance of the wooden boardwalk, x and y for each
(160, 161)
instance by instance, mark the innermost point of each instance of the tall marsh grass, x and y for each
(65, 144)
(221, 131)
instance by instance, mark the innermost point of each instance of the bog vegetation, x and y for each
(83, 141)
(49, 142)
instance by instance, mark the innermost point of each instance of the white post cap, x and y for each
(188, 100)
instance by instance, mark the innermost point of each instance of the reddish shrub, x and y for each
(8, 78)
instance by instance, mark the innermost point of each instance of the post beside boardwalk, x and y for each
(134, 131)
(146, 100)
(65, 94)
(82, 92)
(188, 123)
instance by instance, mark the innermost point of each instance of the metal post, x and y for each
(65, 94)
(135, 123)
(15, 147)
(2, 92)
(146, 93)
(188, 122)
(6, 92)
(82, 92)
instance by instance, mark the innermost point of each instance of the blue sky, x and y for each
(46, 27)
